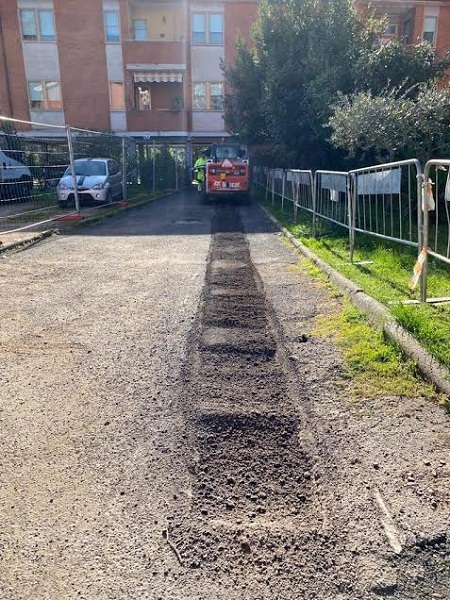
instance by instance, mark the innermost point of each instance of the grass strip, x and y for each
(383, 271)
(375, 367)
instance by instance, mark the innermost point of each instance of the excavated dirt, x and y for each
(252, 494)
(268, 516)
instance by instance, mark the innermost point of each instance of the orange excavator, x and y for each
(226, 173)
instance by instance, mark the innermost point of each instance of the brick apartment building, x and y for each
(415, 20)
(146, 67)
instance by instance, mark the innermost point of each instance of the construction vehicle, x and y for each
(226, 173)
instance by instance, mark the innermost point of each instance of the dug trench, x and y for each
(281, 500)
(253, 529)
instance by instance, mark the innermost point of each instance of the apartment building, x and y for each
(149, 68)
(414, 21)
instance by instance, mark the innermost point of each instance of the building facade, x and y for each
(149, 68)
(414, 21)
(145, 67)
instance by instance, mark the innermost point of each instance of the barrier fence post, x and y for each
(177, 187)
(72, 167)
(153, 167)
(351, 194)
(296, 188)
(423, 235)
(124, 169)
(314, 186)
(273, 188)
(283, 184)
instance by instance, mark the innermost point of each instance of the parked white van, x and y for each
(16, 181)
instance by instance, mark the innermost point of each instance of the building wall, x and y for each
(238, 20)
(85, 64)
(13, 87)
(82, 59)
(163, 23)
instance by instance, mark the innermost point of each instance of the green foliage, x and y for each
(392, 126)
(284, 88)
(397, 66)
(243, 106)
(103, 144)
(374, 365)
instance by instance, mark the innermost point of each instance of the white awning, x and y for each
(158, 77)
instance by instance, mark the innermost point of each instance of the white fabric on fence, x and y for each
(303, 177)
(333, 181)
(379, 182)
(334, 195)
(447, 188)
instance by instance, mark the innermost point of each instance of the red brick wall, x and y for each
(239, 18)
(12, 59)
(82, 61)
(418, 25)
(443, 30)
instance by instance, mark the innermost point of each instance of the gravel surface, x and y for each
(170, 430)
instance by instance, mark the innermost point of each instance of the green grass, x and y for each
(375, 366)
(384, 275)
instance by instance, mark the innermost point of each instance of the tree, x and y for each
(396, 65)
(303, 53)
(391, 126)
(243, 103)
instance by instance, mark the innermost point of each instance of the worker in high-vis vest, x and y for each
(199, 169)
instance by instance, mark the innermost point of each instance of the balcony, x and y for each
(154, 52)
(157, 21)
(157, 120)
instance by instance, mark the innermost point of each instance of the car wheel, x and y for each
(62, 203)
(109, 197)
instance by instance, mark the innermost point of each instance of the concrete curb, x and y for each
(378, 315)
(29, 242)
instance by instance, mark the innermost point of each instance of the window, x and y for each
(407, 31)
(207, 28)
(45, 95)
(208, 96)
(429, 29)
(116, 95)
(112, 26)
(200, 96)
(37, 25)
(216, 28)
(113, 167)
(216, 96)
(199, 29)
(140, 32)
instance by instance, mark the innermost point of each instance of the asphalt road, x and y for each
(171, 430)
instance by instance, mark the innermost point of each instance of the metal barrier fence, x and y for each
(436, 215)
(387, 201)
(45, 174)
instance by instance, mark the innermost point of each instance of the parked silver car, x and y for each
(99, 181)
